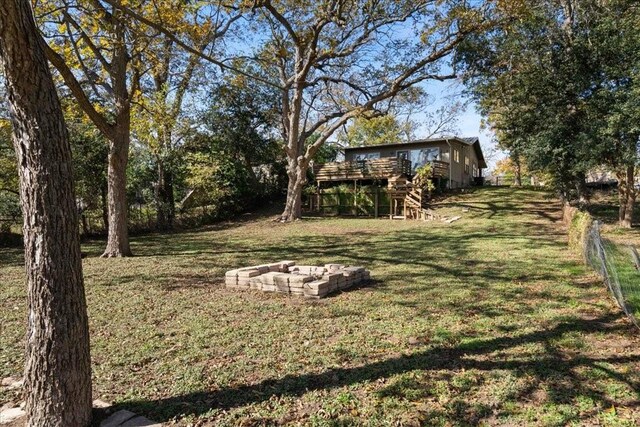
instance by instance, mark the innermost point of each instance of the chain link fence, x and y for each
(618, 265)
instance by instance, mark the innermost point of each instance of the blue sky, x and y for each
(469, 123)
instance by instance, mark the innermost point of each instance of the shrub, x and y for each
(579, 226)
(422, 178)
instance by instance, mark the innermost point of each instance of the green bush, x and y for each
(579, 228)
(423, 176)
(340, 199)
(10, 212)
(220, 183)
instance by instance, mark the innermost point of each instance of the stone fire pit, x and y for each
(286, 277)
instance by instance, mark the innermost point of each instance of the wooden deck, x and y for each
(440, 169)
(373, 169)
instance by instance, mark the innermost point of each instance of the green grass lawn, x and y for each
(623, 276)
(604, 206)
(489, 320)
(617, 242)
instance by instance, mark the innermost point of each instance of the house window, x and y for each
(430, 154)
(423, 156)
(456, 155)
(475, 170)
(404, 154)
(366, 156)
(466, 164)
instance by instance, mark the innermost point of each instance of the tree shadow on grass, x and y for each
(465, 356)
(177, 240)
(11, 256)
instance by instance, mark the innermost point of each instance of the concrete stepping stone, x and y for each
(11, 414)
(118, 418)
(121, 418)
(12, 383)
(124, 418)
(140, 422)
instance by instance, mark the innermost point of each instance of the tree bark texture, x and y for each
(164, 197)
(57, 366)
(297, 173)
(118, 211)
(627, 196)
(518, 171)
(118, 233)
(115, 129)
(105, 211)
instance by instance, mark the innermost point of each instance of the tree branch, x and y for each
(86, 71)
(85, 38)
(281, 19)
(76, 89)
(185, 46)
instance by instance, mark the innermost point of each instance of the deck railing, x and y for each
(382, 168)
(440, 168)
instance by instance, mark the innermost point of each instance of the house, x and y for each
(456, 163)
(462, 157)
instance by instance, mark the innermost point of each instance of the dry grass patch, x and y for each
(489, 320)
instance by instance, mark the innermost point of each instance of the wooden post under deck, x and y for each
(391, 201)
(404, 209)
(376, 199)
(355, 197)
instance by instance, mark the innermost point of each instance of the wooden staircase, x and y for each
(416, 204)
(409, 201)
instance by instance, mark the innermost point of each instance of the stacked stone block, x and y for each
(288, 278)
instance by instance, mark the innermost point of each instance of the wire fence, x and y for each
(619, 267)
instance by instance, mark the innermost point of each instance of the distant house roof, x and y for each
(473, 141)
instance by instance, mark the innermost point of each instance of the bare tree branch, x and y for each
(76, 89)
(185, 46)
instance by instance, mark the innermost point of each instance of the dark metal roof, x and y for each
(473, 141)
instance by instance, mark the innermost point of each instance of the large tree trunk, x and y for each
(297, 172)
(117, 132)
(518, 171)
(170, 200)
(581, 188)
(627, 196)
(57, 366)
(105, 209)
(164, 197)
(118, 234)
(296, 163)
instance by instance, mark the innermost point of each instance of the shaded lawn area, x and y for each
(623, 274)
(488, 320)
(617, 243)
(604, 206)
